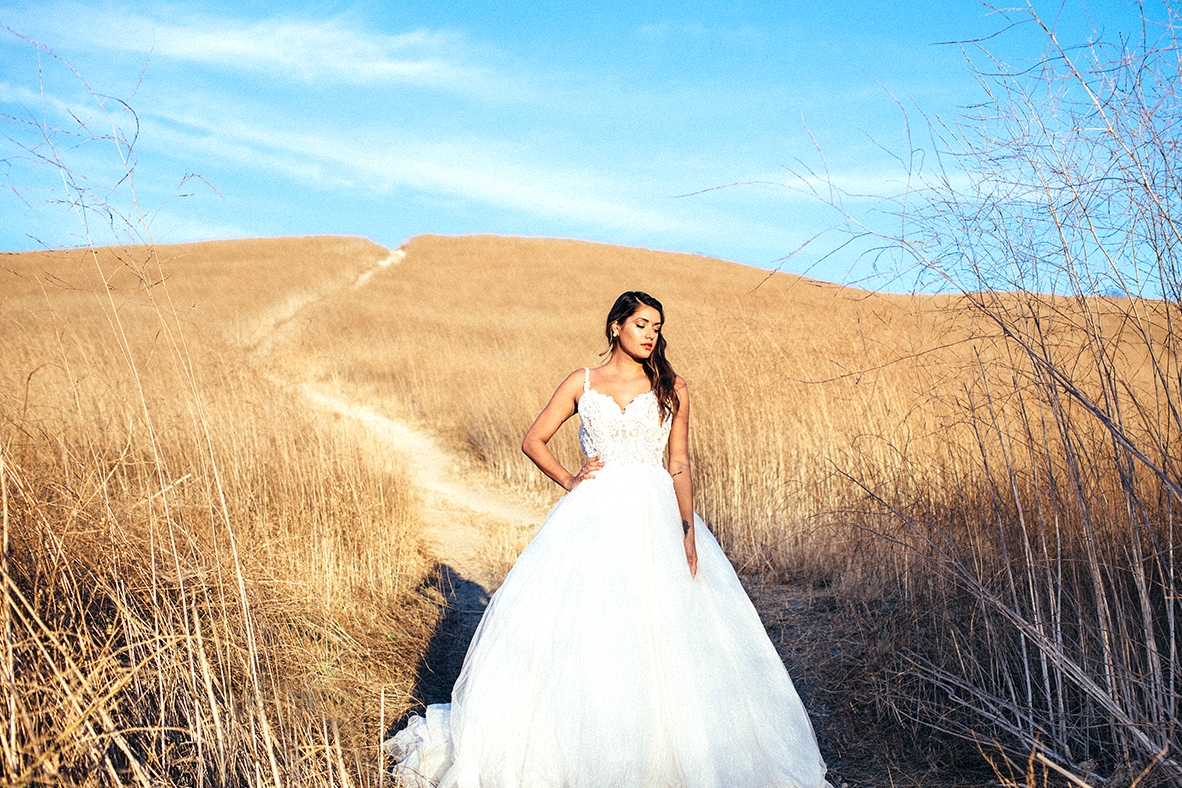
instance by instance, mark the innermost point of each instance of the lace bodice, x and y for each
(636, 434)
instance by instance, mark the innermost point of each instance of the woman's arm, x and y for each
(562, 406)
(679, 469)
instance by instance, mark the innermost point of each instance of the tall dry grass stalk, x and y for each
(202, 582)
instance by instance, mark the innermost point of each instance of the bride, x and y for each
(621, 650)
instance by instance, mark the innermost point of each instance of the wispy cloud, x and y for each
(337, 152)
(175, 223)
(498, 174)
(505, 177)
(287, 48)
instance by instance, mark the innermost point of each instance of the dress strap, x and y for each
(586, 379)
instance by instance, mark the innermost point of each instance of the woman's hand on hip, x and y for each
(588, 470)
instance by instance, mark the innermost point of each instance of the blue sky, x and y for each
(596, 120)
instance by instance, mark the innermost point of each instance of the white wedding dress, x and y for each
(601, 663)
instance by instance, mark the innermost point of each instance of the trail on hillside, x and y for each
(470, 529)
(467, 527)
(459, 510)
(454, 507)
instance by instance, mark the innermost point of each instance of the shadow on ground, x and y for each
(464, 604)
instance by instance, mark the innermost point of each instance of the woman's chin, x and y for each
(639, 354)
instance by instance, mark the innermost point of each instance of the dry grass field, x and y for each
(206, 583)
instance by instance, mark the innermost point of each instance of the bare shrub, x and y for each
(1046, 604)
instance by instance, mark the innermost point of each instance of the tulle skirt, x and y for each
(601, 662)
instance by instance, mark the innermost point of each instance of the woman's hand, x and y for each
(691, 550)
(588, 470)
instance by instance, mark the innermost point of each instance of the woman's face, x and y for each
(639, 331)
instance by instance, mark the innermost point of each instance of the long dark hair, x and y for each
(660, 372)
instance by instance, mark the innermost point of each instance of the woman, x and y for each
(621, 649)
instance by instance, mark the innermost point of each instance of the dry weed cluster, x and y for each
(1044, 613)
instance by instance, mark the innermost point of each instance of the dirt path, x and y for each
(460, 513)
(468, 527)
(471, 529)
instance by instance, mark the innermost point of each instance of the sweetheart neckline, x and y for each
(623, 410)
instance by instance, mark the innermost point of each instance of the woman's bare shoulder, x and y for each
(572, 384)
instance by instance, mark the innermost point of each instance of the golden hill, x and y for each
(795, 382)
